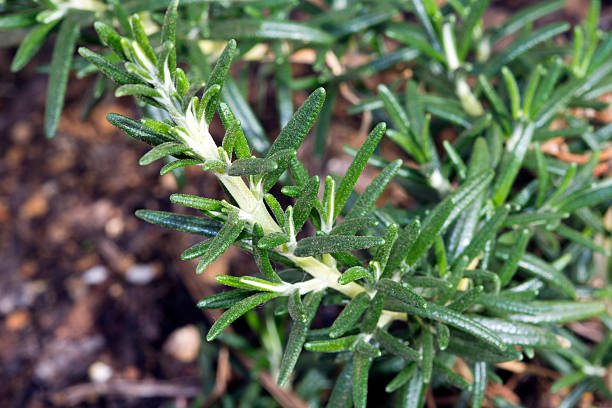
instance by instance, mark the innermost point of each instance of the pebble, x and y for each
(100, 372)
(95, 275)
(184, 343)
(141, 274)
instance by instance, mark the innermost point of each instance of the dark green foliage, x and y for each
(489, 263)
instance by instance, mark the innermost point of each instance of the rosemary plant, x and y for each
(487, 267)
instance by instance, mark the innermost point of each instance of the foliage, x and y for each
(488, 266)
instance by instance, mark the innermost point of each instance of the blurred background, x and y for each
(89, 293)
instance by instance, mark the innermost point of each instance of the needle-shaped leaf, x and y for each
(201, 203)
(297, 336)
(510, 165)
(521, 334)
(341, 394)
(353, 226)
(396, 346)
(526, 43)
(218, 75)
(224, 299)
(406, 238)
(31, 44)
(251, 166)
(238, 140)
(60, 69)
(427, 352)
(305, 202)
(272, 240)
(332, 345)
(349, 315)
(292, 135)
(403, 292)
(255, 29)
(361, 371)
(401, 378)
(366, 200)
(223, 240)
(185, 223)
(372, 315)
(196, 250)
(327, 244)
(237, 310)
(356, 167)
(297, 311)
(261, 256)
(354, 273)
(588, 197)
(541, 269)
(555, 312)
(412, 394)
(179, 164)
(161, 151)
(445, 213)
(466, 299)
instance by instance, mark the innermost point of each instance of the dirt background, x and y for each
(87, 290)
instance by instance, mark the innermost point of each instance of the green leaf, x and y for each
(110, 38)
(510, 165)
(361, 369)
(276, 208)
(427, 352)
(296, 308)
(349, 315)
(141, 38)
(406, 238)
(177, 164)
(525, 43)
(196, 250)
(372, 315)
(366, 200)
(163, 150)
(520, 334)
(218, 75)
(18, 20)
(354, 273)
(480, 384)
(297, 336)
(412, 35)
(396, 346)
(383, 252)
(525, 16)
(472, 349)
(470, 22)
(445, 212)
(185, 223)
(261, 256)
(403, 292)
(305, 202)
(237, 310)
(251, 166)
(58, 78)
(31, 44)
(201, 203)
(509, 267)
(238, 140)
(534, 218)
(466, 299)
(412, 394)
(356, 167)
(513, 92)
(341, 394)
(272, 240)
(260, 30)
(332, 345)
(579, 238)
(401, 378)
(327, 244)
(292, 135)
(588, 197)
(543, 270)
(222, 241)
(224, 299)
(458, 321)
(484, 235)
(556, 312)
(353, 226)
(253, 130)
(109, 69)
(448, 376)
(136, 90)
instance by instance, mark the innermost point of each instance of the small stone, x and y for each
(35, 206)
(17, 320)
(95, 275)
(184, 343)
(100, 372)
(141, 274)
(114, 227)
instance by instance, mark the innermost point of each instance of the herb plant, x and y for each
(509, 226)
